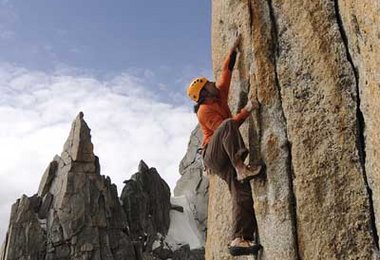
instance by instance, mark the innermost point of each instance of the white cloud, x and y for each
(128, 124)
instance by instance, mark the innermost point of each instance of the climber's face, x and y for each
(211, 89)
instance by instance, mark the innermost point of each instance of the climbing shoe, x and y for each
(249, 172)
(243, 247)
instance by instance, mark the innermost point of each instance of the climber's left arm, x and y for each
(228, 65)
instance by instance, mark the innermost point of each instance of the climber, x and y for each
(224, 151)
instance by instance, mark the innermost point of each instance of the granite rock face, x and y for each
(153, 220)
(314, 67)
(77, 214)
(20, 244)
(192, 183)
(359, 22)
(146, 201)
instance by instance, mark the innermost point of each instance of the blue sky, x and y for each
(125, 64)
(167, 40)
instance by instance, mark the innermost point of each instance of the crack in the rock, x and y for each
(67, 241)
(360, 123)
(275, 48)
(250, 10)
(191, 164)
(5, 246)
(200, 181)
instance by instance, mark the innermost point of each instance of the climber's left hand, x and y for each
(237, 41)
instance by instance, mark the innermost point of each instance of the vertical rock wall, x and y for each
(227, 18)
(314, 68)
(359, 23)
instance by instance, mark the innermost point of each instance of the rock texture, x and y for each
(77, 214)
(26, 238)
(358, 21)
(192, 183)
(314, 67)
(146, 201)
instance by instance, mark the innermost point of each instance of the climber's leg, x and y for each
(225, 147)
(225, 144)
(243, 215)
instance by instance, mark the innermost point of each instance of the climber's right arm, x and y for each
(240, 117)
(244, 113)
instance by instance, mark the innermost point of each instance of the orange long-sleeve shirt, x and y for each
(212, 113)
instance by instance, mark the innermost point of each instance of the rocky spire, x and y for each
(143, 167)
(76, 213)
(78, 151)
(78, 145)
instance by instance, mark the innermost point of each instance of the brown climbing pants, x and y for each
(225, 146)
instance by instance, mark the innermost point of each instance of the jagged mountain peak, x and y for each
(143, 167)
(78, 146)
(77, 214)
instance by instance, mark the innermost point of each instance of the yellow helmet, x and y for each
(195, 87)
